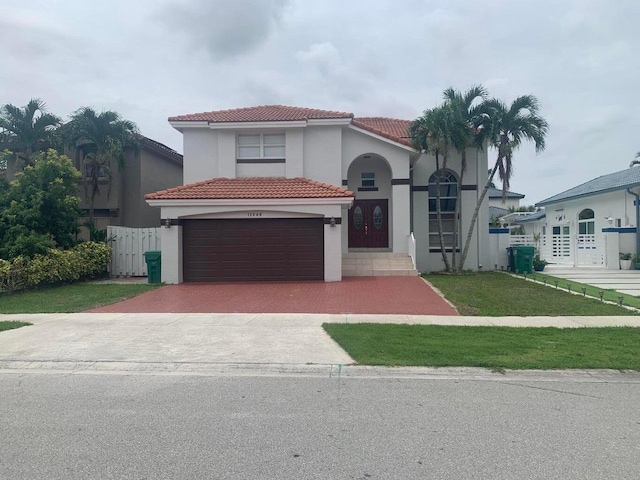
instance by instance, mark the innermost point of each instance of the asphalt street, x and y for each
(490, 426)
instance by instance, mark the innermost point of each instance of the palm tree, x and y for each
(103, 139)
(505, 129)
(469, 109)
(636, 161)
(27, 129)
(438, 131)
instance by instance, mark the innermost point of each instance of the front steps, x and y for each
(376, 264)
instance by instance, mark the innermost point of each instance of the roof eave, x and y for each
(550, 201)
(262, 202)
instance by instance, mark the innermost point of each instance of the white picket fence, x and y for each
(128, 246)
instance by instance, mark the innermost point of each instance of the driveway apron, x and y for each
(356, 295)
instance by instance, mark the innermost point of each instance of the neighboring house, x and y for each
(576, 221)
(276, 192)
(509, 200)
(156, 167)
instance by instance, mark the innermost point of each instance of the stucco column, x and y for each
(332, 253)
(612, 249)
(172, 254)
(400, 218)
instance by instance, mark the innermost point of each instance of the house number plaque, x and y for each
(254, 214)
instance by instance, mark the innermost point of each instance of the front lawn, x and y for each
(77, 297)
(494, 294)
(12, 325)
(490, 347)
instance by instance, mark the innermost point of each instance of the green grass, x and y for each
(609, 295)
(491, 347)
(76, 297)
(494, 294)
(12, 325)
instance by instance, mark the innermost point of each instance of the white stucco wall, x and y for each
(200, 155)
(507, 203)
(260, 170)
(322, 154)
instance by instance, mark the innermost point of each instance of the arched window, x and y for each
(448, 197)
(586, 222)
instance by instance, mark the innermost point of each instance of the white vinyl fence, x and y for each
(128, 246)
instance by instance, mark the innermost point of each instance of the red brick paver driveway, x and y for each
(373, 295)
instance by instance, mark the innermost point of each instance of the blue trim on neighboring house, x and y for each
(498, 230)
(619, 230)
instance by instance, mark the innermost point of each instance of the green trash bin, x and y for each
(523, 258)
(154, 265)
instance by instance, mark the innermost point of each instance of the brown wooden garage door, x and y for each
(256, 249)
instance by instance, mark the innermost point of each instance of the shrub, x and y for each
(87, 259)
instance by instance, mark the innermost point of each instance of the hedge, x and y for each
(87, 259)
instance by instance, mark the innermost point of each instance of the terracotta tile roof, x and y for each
(391, 128)
(264, 113)
(251, 187)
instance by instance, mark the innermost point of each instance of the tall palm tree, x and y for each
(438, 131)
(103, 139)
(506, 127)
(27, 129)
(469, 108)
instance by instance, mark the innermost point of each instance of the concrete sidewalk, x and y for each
(191, 342)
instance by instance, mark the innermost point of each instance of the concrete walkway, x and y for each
(627, 282)
(189, 342)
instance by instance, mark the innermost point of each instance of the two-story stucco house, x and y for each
(277, 192)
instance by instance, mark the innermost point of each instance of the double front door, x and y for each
(369, 224)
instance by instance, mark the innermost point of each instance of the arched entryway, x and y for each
(369, 177)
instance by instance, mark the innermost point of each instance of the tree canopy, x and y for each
(39, 209)
(26, 130)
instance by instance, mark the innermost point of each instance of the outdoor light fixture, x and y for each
(167, 222)
(569, 287)
(556, 282)
(495, 267)
(332, 222)
(601, 293)
(584, 291)
(620, 299)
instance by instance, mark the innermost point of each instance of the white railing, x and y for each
(412, 248)
(522, 240)
(128, 246)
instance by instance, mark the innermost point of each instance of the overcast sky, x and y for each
(150, 59)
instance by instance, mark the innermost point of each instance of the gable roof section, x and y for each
(160, 148)
(251, 188)
(497, 193)
(390, 128)
(263, 113)
(606, 183)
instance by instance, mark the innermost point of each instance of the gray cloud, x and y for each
(225, 28)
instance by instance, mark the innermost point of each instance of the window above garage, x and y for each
(269, 146)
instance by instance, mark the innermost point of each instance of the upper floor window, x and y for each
(448, 191)
(368, 179)
(261, 145)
